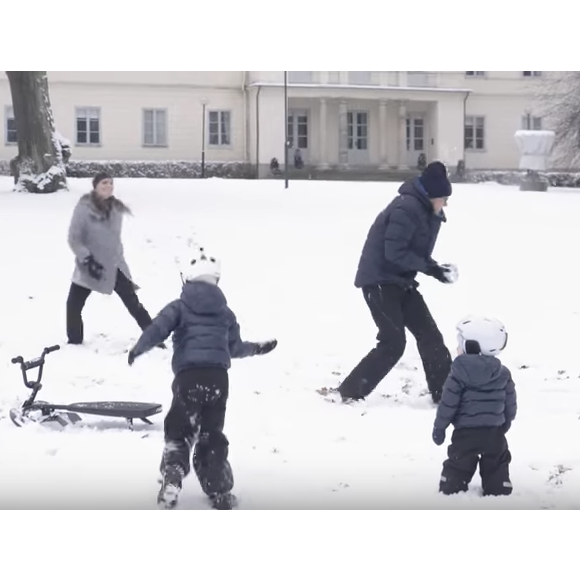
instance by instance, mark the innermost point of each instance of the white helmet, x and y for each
(489, 334)
(201, 266)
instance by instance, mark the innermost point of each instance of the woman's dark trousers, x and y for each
(77, 298)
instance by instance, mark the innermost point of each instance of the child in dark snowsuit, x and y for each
(479, 400)
(206, 336)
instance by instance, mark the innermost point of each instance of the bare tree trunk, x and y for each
(39, 166)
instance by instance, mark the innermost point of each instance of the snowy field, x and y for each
(289, 260)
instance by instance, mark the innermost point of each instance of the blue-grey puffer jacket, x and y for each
(479, 392)
(205, 330)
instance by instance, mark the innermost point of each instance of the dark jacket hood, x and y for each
(203, 297)
(476, 369)
(414, 188)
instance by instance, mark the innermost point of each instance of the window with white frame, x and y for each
(475, 73)
(415, 131)
(531, 123)
(532, 73)
(88, 126)
(474, 133)
(154, 128)
(220, 128)
(10, 126)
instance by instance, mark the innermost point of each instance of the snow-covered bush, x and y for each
(159, 169)
(238, 170)
(555, 179)
(152, 169)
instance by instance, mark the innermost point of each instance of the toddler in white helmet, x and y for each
(479, 400)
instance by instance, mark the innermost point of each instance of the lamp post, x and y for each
(203, 106)
(286, 129)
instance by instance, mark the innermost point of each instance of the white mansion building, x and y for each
(375, 119)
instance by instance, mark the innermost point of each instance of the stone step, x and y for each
(351, 174)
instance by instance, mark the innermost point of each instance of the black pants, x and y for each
(195, 422)
(77, 298)
(488, 447)
(395, 309)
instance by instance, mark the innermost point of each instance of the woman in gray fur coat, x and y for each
(95, 238)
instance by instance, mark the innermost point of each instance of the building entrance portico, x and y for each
(385, 135)
(364, 130)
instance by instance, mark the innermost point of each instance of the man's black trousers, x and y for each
(195, 423)
(77, 298)
(395, 309)
(486, 446)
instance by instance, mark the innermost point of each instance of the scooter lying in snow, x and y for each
(33, 411)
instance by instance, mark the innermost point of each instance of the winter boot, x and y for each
(223, 501)
(333, 395)
(170, 487)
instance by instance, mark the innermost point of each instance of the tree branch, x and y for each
(559, 101)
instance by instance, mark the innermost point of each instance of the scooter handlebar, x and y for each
(18, 360)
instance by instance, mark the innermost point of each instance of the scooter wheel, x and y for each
(17, 417)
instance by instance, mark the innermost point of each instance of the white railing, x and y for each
(361, 77)
(421, 79)
(413, 79)
(302, 76)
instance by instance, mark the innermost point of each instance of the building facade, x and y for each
(384, 120)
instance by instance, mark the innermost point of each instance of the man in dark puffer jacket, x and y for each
(206, 336)
(479, 400)
(398, 246)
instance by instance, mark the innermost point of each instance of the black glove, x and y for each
(506, 427)
(94, 268)
(438, 436)
(266, 347)
(445, 273)
(131, 358)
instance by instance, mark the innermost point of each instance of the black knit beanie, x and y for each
(435, 180)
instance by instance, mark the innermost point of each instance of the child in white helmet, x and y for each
(206, 336)
(479, 400)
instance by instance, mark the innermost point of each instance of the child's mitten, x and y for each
(438, 436)
(266, 347)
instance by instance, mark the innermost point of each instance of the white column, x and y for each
(343, 134)
(383, 132)
(323, 136)
(449, 132)
(402, 136)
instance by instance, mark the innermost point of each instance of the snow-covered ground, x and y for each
(289, 259)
